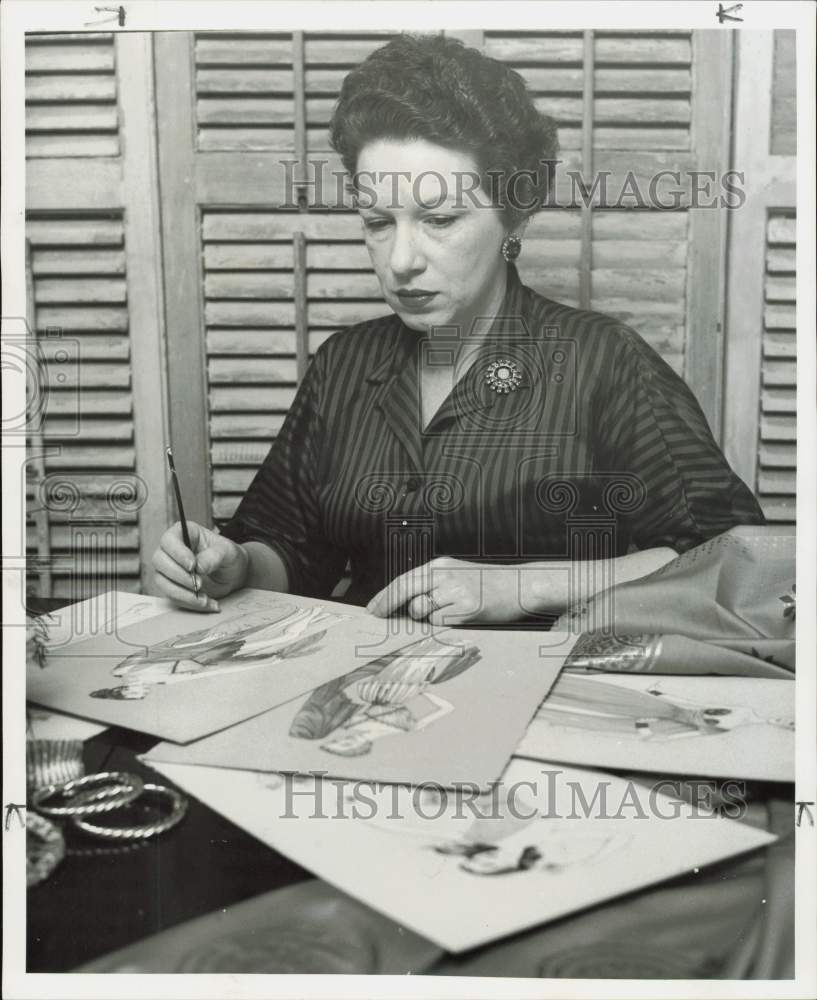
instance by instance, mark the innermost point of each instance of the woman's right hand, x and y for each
(220, 566)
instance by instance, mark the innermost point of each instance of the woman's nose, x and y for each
(406, 256)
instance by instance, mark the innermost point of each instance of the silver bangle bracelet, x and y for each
(178, 808)
(117, 789)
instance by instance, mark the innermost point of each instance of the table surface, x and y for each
(95, 902)
(102, 898)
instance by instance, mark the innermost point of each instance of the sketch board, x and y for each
(180, 675)
(425, 860)
(448, 708)
(737, 727)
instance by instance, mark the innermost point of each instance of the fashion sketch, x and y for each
(611, 709)
(235, 644)
(393, 694)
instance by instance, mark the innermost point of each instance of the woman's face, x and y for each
(436, 253)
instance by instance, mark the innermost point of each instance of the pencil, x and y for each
(182, 518)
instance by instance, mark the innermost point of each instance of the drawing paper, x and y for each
(449, 707)
(736, 727)
(104, 613)
(43, 724)
(181, 675)
(573, 838)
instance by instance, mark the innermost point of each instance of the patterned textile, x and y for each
(601, 447)
(725, 607)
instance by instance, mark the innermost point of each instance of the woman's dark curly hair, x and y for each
(435, 88)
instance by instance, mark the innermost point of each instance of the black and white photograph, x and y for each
(408, 447)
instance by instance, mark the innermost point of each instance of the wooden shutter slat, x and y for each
(321, 284)
(97, 347)
(780, 317)
(778, 428)
(250, 399)
(777, 481)
(90, 403)
(779, 373)
(231, 371)
(250, 342)
(245, 111)
(61, 37)
(780, 345)
(70, 87)
(78, 233)
(780, 259)
(778, 400)
(91, 457)
(558, 80)
(634, 253)
(246, 256)
(77, 589)
(781, 289)
(221, 313)
(81, 290)
(636, 310)
(243, 425)
(232, 479)
(224, 505)
(639, 225)
(779, 509)
(51, 263)
(640, 283)
(249, 285)
(74, 57)
(83, 318)
(530, 47)
(71, 144)
(640, 139)
(61, 537)
(89, 428)
(244, 81)
(638, 111)
(778, 456)
(781, 229)
(337, 314)
(93, 375)
(244, 51)
(66, 117)
(239, 453)
(211, 138)
(342, 50)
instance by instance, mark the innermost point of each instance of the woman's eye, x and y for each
(441, 221)
(375, 225)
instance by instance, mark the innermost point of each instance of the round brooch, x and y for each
(503, 376)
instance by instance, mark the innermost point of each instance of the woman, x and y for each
(450, 450)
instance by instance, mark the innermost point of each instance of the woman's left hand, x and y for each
(449, 591)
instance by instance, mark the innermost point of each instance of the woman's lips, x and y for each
(415, 298)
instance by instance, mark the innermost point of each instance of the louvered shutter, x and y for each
(95, 503)
(247, 99)
(777, 446)
(71, 107)
(274, 281)
(761, 348)
(638, 120)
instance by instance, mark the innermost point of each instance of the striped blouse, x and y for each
(601, 448)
